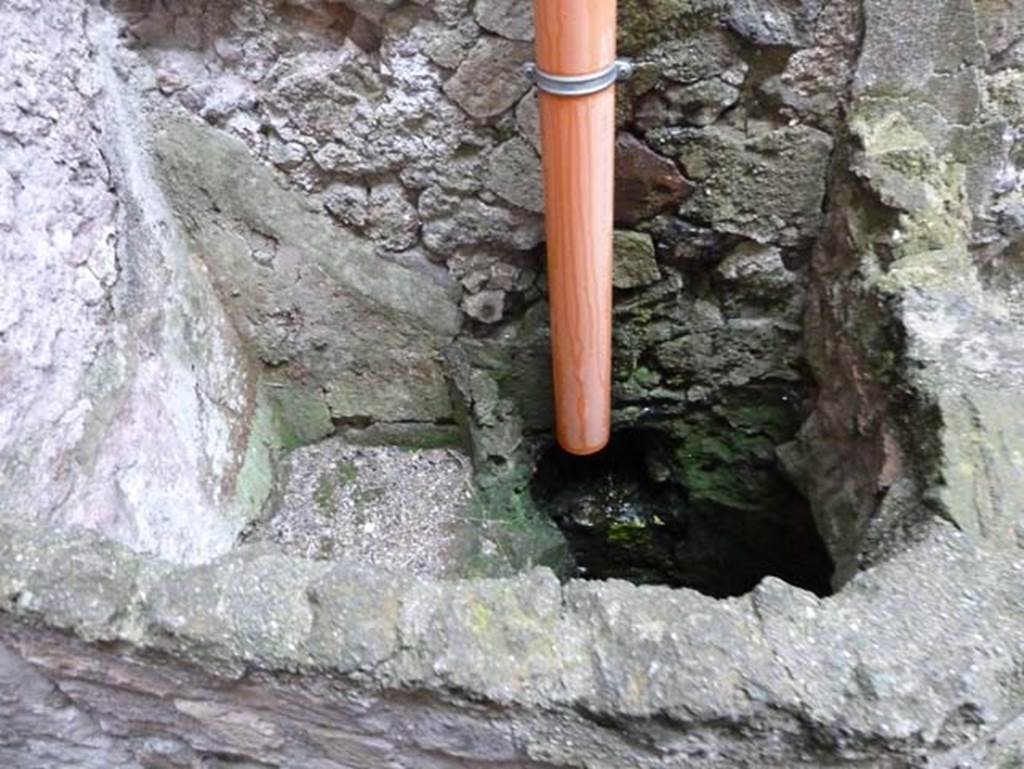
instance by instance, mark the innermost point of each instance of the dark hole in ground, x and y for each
(628, 514)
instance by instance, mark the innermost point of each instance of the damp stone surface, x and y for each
(247, 244)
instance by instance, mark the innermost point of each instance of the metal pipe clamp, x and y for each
(578, 85)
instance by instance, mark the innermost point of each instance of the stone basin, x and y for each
(277, 660)
(276, 478)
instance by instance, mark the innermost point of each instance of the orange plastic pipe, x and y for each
(574, 38)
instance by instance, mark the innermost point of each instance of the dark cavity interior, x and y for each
(628, 515)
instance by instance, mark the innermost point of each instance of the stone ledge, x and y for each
(888, 668)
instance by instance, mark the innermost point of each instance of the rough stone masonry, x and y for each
(237, 233)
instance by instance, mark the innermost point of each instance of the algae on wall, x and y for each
(405, 186)
(362, 200)
(913, 351)
(909, 276)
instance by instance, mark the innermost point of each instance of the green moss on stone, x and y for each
(629, 533)
(300, 413)
(347, 473)
(406, 435)
(519, 536)
(725, 456)
(635, 263)
(323, 497)
(368, 496)
(645, 377)
(255, 480)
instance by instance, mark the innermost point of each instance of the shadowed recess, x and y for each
(629, 514)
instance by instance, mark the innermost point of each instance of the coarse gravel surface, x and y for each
(404, 509)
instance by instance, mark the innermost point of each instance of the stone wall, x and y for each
(231, 229)
(911, 326)
(126, 389)
(348, 195)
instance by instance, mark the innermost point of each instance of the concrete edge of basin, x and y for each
(893, 658)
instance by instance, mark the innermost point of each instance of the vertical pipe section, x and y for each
(574, 38)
